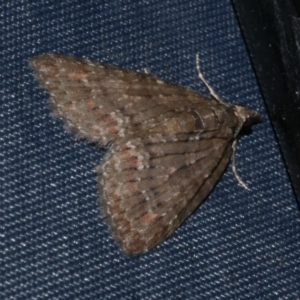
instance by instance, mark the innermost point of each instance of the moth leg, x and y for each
(211, 90)
(234, 170)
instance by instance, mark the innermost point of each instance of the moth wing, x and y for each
(103, 103)
(151, 184)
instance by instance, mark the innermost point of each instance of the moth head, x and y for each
(248, 117)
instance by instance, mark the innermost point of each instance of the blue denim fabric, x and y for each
(54, 242)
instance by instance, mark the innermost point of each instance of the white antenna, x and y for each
(201, 77)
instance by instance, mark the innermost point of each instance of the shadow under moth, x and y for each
(167, 145)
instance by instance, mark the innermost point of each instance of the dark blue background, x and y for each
(54, 243)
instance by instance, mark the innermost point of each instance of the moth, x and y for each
(167, 145)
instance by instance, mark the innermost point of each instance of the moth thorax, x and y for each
(211, 117)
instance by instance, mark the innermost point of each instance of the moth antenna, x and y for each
(234, 170)
(201, 77)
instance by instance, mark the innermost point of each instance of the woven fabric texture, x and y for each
(54, 242)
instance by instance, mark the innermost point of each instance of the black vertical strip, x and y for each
(271, 29)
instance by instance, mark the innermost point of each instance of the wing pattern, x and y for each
(168, 145)
(103, 103)
(151, 184)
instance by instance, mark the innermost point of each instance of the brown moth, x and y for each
(168, 145)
